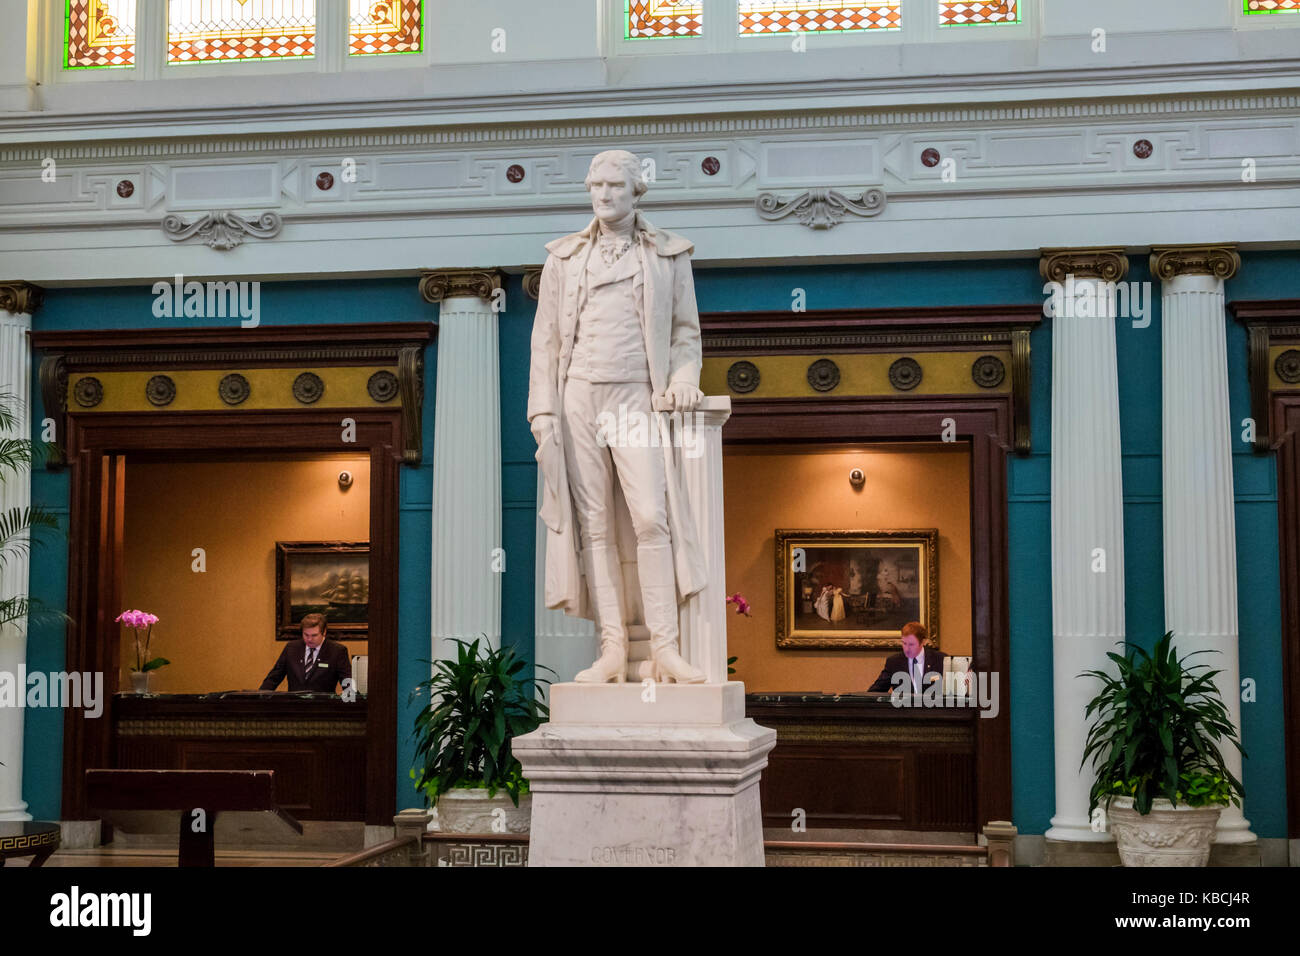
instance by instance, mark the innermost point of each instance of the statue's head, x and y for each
(615, 183)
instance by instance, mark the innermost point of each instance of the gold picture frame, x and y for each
(855, 589)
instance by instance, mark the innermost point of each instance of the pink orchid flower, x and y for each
(742, 606)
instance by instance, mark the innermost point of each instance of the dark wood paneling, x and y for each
(1286, 413)
(860, 762)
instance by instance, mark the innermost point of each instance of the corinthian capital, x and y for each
(20, 297)
(1221, 261)
(439, 284)
(1108, 265)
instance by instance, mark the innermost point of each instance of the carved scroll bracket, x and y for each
(222, 229)
(821, 208)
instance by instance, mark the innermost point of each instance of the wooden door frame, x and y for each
(986, 427)
(93, 636)
(993, 424)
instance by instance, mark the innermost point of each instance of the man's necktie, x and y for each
(311, 661)
(916, 677)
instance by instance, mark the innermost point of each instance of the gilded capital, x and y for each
(1220, 261)
(439, 284)
(20, 297)
(533, 282)
(1108, 265)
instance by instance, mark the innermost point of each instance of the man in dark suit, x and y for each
(918, 665)
(313, 662)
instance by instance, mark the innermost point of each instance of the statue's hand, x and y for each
(543, 427)
(683, 396)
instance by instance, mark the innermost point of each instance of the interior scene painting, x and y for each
(851, 588)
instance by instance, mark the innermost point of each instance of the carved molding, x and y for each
(820, 208)
(222, 229)
(1020, 382)
(197, 727)
(53, 379)
(533, 282)
(410, 383)
(20, 298)
(439, 284)
(1268, 323)
(1108, 265)
(1222, 262)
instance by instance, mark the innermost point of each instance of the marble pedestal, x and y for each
(646, 775)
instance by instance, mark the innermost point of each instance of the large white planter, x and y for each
(473, 811)
(1167, 836)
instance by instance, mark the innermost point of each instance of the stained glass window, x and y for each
(953, 12)
(207, 30)
(760, 19)
(664, 18)
(385, 26)
(99, 33)
(1272, 6)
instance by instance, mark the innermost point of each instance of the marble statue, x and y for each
(616, 340)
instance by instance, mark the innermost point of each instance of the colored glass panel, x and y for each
(1272, 6)
(99, 33)
(385, 26)
(206, 30)
(953, 12)
(762, 19)
(664, 18)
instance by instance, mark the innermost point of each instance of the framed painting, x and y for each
(855, 589)
(322, 577)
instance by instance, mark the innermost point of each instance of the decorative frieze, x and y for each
(1221, 261)
(439, 284)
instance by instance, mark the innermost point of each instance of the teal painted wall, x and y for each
(847, 286)
(282, 303)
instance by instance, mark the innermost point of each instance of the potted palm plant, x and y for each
(464, 765)
(1155, 745)
(20, 527)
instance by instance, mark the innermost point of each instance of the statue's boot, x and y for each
(659, 597)
(605, 580)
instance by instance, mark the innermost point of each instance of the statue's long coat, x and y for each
(672, 338)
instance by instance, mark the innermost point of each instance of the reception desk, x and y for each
(315, 743)
(857, 761)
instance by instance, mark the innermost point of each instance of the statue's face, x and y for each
(612, 196)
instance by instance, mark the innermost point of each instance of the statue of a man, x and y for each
(617, 340)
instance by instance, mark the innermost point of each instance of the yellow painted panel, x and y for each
(786, 376)
(196, 389)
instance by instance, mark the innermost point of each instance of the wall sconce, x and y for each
(857, 479)
(345, 480)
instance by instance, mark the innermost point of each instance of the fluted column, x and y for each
(466, 565)
(1200, 538)
(703, 618)
(18, 300)
(1087, 512)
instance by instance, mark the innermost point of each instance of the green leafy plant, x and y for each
(477, 706)
(20, 527)
(1157, 731)
(731, 660)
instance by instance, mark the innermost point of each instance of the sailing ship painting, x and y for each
(323, 577)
